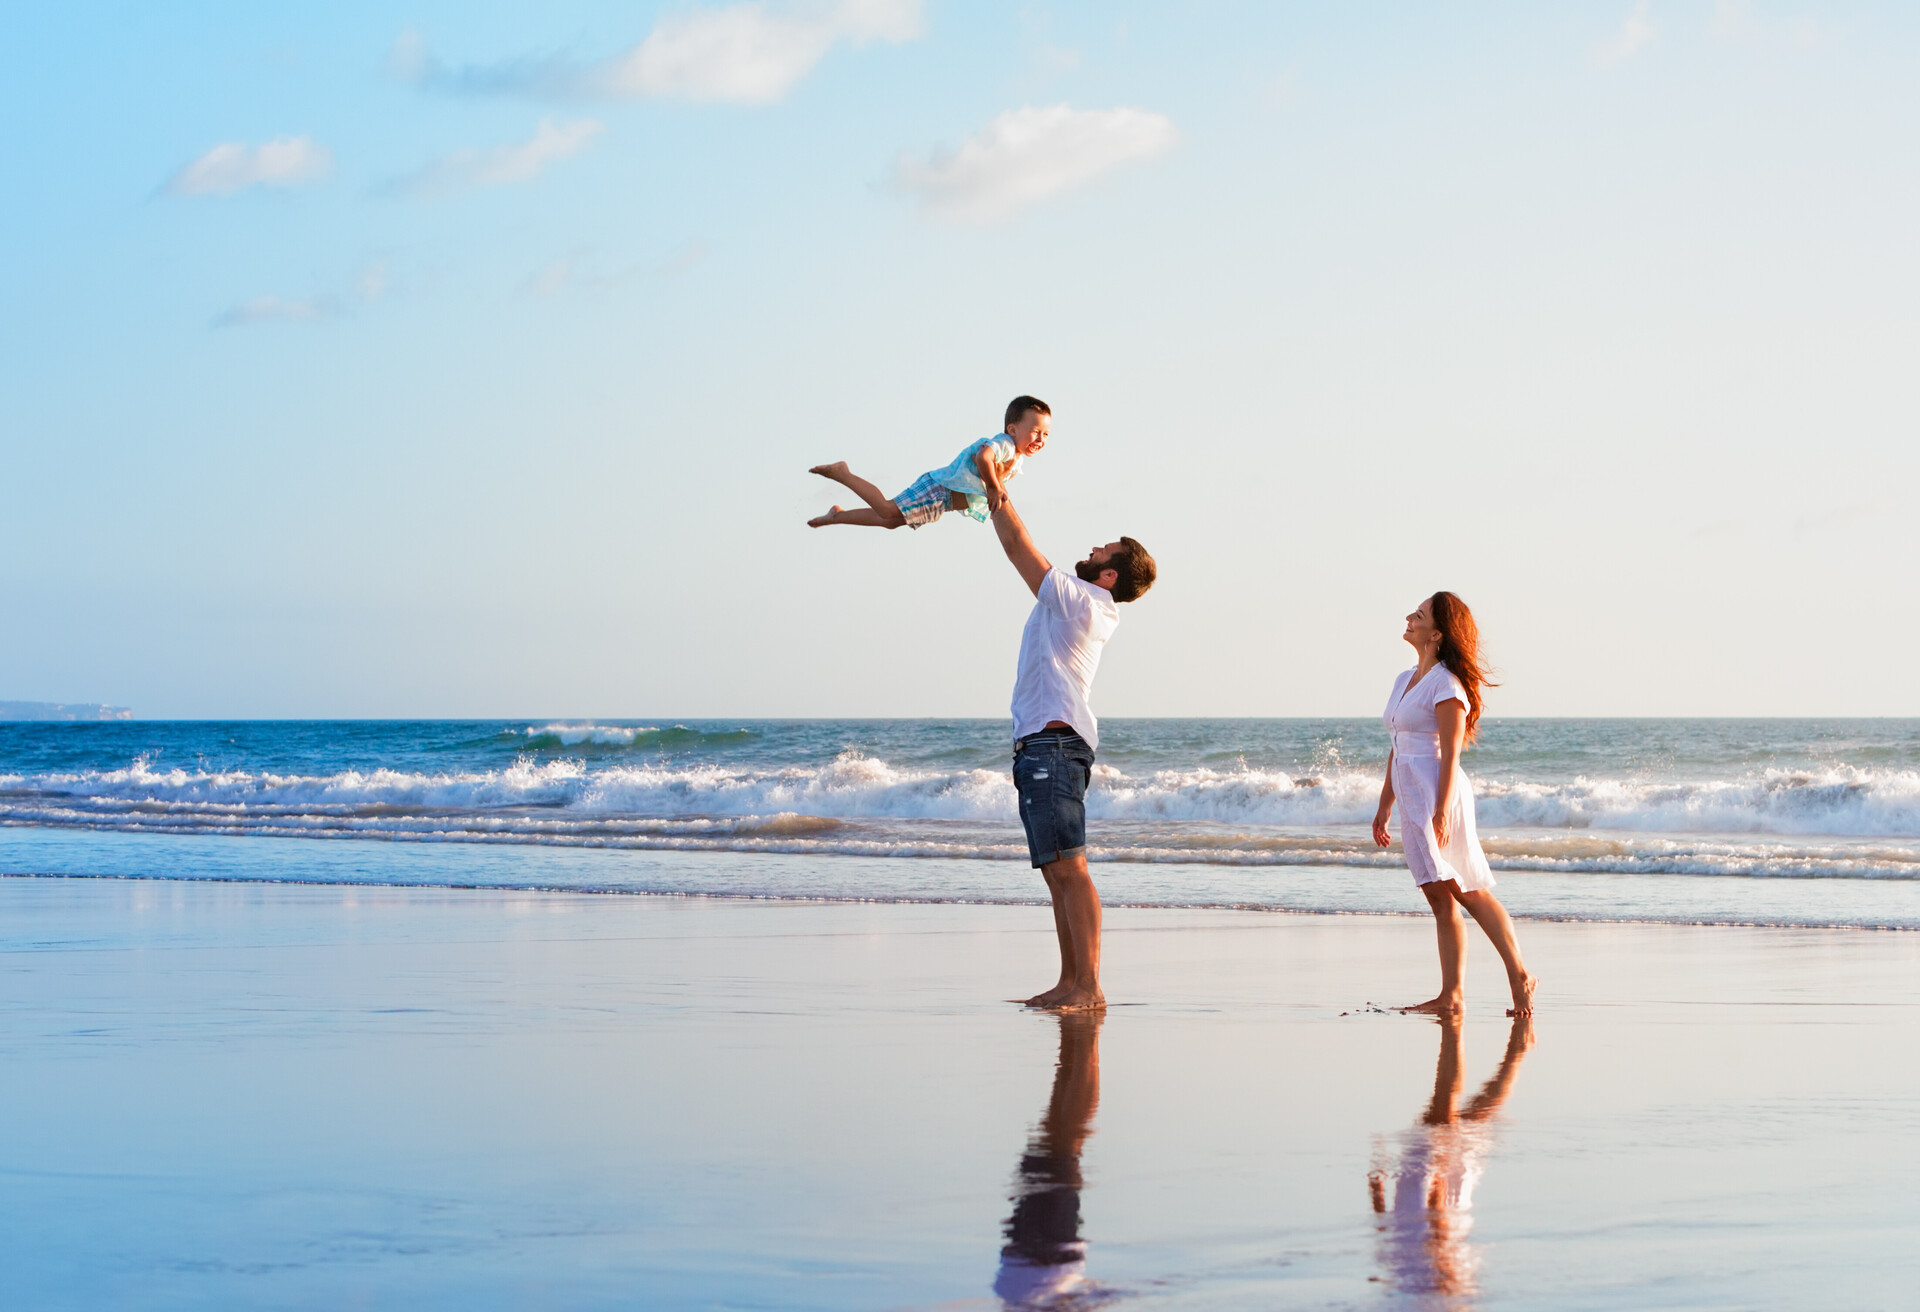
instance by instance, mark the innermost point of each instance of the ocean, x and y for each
(1818, 821)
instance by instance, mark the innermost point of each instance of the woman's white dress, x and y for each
(1415, 728)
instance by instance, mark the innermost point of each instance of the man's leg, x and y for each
(1065, 935)
(1076, 909)
(1052, 781)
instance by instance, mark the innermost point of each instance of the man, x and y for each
(1055, 734)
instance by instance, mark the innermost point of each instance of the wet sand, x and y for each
(322, 1096)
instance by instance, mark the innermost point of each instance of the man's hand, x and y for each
(1019, 547)
(996, 498)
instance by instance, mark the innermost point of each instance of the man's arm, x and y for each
(1019, 547)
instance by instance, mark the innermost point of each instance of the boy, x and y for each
(974, 484)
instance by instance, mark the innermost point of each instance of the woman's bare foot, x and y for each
(837, 471)
(1440, 1006)
(1051, 997)
(821, 521)
(1523, 995)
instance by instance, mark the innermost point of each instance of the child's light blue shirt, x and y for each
(963, 475)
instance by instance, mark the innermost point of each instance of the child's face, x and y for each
(1029, 432)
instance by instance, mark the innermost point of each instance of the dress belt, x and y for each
(1408, 743)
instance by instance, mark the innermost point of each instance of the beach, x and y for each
(260, 1094)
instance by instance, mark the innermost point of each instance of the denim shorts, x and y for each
(1051, 769)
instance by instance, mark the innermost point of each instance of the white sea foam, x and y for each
(1836, 800)
(862, 805)
(572, 735)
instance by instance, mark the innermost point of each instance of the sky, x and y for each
(468, 359)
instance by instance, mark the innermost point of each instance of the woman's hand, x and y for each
(1442, 822)
(1380, 834)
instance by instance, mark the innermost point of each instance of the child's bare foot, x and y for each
(821, 521)
(837, 471)
(1440, 1006)
(1523, 995)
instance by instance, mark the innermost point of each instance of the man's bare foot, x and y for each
(1441, 1006)
(1523, 995)
(1080, 999)
(837, 471)
(821, 521)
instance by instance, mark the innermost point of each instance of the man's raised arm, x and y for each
(1019, 547)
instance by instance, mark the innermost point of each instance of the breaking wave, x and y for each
(1834, 822)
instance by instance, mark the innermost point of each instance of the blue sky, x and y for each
(467, 360)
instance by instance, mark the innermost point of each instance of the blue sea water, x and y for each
(1219, 807)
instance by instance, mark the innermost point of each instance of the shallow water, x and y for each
(1378, 889)
(297, 1096)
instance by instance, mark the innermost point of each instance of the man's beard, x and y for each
(1090, 572)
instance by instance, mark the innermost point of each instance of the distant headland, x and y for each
(62, 711)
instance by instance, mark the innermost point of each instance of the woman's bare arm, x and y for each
(1453, 736)
(1380, 834)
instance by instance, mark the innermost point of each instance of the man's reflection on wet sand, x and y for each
(1422, 1180)
(1044, 1261)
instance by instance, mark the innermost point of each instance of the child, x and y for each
(974, 484)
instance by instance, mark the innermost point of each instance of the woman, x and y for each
(1432, 714)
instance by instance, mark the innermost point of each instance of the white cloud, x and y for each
(234, 166)
(371, 283)
(578, 270)
(748, 54)
(520, 161)
(1026, 155)
(1633, 34)
(272, 309)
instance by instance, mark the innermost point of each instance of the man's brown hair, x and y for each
(1018, 407)
(1135, 568)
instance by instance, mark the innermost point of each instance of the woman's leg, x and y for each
(1485, 908)
(1453, 946)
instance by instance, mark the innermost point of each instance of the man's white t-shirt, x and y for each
(1059, 651)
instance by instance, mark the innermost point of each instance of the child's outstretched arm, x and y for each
(990, 477)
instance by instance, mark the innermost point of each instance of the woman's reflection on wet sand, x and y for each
(1044, 1261)
(1422, 1181)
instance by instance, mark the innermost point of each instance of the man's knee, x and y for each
(1067, 870)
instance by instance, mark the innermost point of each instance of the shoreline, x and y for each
(1248, 908)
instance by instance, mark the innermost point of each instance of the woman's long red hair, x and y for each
(1460, 652)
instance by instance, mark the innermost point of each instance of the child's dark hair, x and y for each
(1018, 407)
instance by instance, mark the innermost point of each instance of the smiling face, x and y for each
(1421, 635)
(1029, 432)
(1095, 570)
